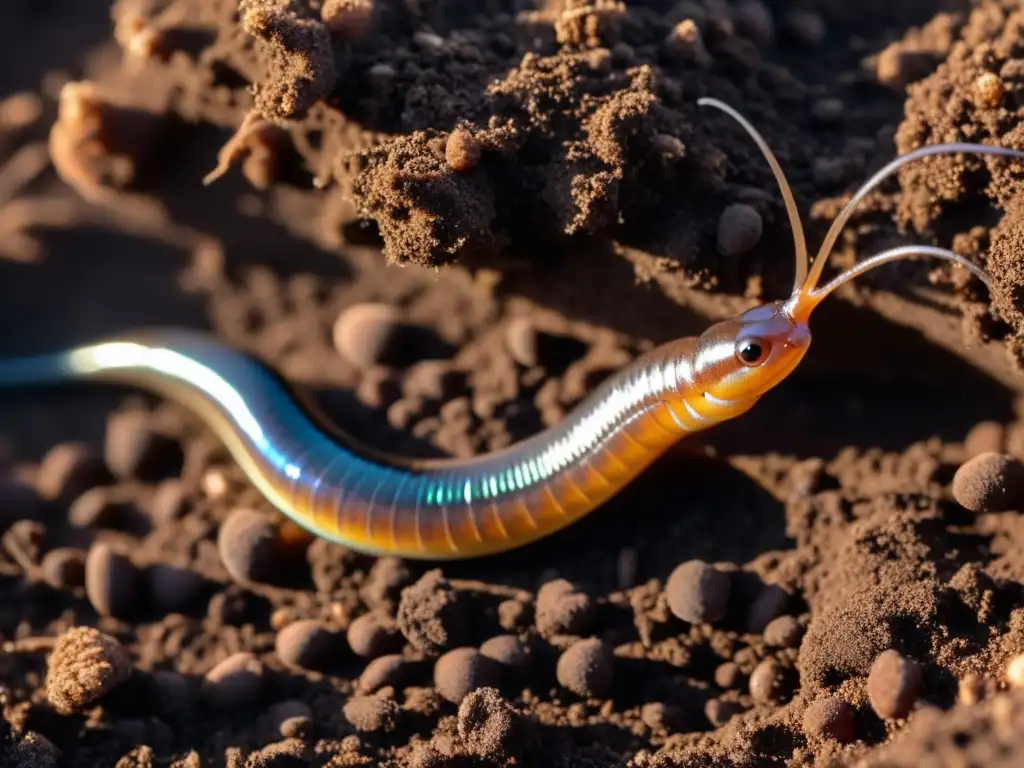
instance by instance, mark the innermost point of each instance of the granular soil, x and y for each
(450, 221)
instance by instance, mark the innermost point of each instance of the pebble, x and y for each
(307, 644)
(134, 450)
(829, 718)
(768, 605)
(783, 632)
(462, 150)
(514, 615)
(728, 675)
(990, 482)
(988, 91)
(509, 651)
(68, 470)
(766, 681)
(292, 719)
(659, 716)
(893, 684)
(236, 682)
(587, 668)
(372, 334)
(1015, 672)
(897, 67)
(169, 502)
(372, 713)
(391, 670)
(174, 588)
(84, 666)
(247, 543)
(64, 568)
(698, 593)
(463, 670)
(432, 615)
(111, 581)
(739, 229)
(562, 610)
(371, 635)
(100, 507)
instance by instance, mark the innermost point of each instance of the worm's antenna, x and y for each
(936, 149)
(802, 303)
(799, 241)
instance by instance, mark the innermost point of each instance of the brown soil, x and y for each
(513, 200)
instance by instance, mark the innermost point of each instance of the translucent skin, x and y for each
(443, 509)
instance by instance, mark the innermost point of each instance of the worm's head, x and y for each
(739, 360)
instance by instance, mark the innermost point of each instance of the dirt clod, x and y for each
(85, 665)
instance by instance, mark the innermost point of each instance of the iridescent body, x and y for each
(447, 509)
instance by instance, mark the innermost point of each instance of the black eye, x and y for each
(752, 351)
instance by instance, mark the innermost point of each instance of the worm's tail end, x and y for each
(37, 370)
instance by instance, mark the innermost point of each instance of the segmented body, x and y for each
(379, 504)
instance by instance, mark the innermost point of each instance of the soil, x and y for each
(450, 220)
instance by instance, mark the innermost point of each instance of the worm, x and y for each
(447, 509)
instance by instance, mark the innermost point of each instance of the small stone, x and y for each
(514, 615)
(372, 635)
(769, 605)
(783, 632)
(728, 675)
(988, 91)
(366, 335)
(739, 229)
(100, 507)
(169, 502)
(247, 544)
(84, 666)
(829, 718)
(391, 670)
(347, 19)
(292, 719)
(307, 644)
(461, 671)
(509, 651)
(893, 685)
(64, 568)
(235, 682)
(766, 682)
(897, 67)
(698, 593)
(372, 713)
(174, 588)
(587, 668)
(68, 470)
(462, 150)
(659, 716)
(111, 581)
(134, 450)
(562, 610)
(686, 43)
(990, 482)
(1015, 671)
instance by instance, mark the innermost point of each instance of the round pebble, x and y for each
(100, 508)
(235, 682)
(247, 544)
(768, 605)
(371, 635)
(989, 91)
(169, 502)
(390, 670)
(739, 229)
(372, 713)
(728, 675)
(990, 482)
(84, 666)
(369, 334)
(461, 671)
(783, 632)
(64, 568)
(292, 719)
(111, 581)
(720, 712)
(509, 651)
(307, 644)
(562, 610)
(766, 682)
(829, 718)
(462, 150)
(698, 593)
(893, 685)
(68, 470)
(587, 668)
(134, 450)
(174, 589)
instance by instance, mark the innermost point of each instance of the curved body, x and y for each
(378, 504)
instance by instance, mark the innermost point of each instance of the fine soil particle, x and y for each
(447, 223)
